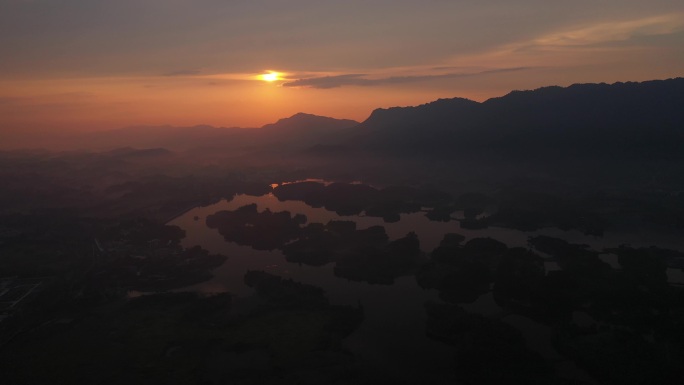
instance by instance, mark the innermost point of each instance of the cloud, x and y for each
(330, 81)
(182, 73)
(590, 46)
(613, 31)
(362, 80)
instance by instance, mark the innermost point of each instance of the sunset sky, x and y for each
(101, 64)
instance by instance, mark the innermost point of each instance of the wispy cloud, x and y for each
(182, 73)
(363, 80)
(589, 44)
(613, 31)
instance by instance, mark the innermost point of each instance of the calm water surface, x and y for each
(393, 331)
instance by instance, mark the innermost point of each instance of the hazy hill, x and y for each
(298, 130)
(169, 137)
(304, 123)
(616, 121)
(621, 119)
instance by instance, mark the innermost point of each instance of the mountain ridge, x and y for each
(643, 117)
(301, 126)
(305, 121)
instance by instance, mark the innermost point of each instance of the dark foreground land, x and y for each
(94, 285)
(69, 315)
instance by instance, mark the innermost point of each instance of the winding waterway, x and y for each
(393, 330)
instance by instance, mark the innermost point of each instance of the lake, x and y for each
(393, 331)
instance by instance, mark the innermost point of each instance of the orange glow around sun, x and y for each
(270, 76)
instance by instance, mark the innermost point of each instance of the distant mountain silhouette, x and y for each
(302, 130)
(436, 115)
(299, 130)
(582, 121)
(641, 119)
(302, 122)
(166, 136)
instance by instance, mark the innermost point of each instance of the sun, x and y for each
(270, 76)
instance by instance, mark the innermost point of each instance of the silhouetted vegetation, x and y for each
(486, 351)
(261, 230)
(462, 273)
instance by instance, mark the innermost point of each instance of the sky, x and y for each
(102, 64)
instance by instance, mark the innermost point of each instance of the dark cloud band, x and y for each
(326, 82)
